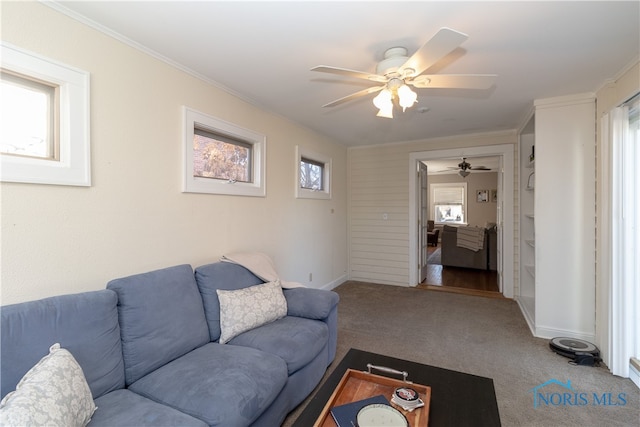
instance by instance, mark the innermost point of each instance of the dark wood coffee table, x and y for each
(457, 399)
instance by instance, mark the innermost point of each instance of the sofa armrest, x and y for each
(310, 303)
(316, 304)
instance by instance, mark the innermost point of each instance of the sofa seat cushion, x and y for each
(294, 339)
(125, 408)
(223, 385)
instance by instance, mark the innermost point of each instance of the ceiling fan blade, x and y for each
(454, 81)
(480, 168)
(354, 95)
(440, 45)
(350, 73)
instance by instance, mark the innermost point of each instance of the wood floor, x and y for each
(461, 280)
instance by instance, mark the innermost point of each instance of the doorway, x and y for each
(505, 209)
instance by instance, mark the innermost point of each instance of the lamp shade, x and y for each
(406, 97)
(386, 111)
(383, 100)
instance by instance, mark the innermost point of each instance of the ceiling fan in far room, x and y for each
(464, 168)
(396, 72)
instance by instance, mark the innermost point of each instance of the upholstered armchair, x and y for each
(432, 234)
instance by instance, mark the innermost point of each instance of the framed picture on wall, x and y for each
(494, 196)
(482, 196)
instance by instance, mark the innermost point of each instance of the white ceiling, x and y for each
(263, 52)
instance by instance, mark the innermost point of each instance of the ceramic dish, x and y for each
(380, 415)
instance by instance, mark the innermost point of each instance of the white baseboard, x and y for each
(542, 332)
(335, 283)
(634, 374)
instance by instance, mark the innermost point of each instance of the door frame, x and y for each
(506, 207)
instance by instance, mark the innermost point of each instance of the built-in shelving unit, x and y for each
(557, 220)
(527, 295)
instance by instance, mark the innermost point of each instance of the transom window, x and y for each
(44, 105)
(221, 157)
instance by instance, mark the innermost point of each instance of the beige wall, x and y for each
(379, 184)
(478, 214)
(134, 218)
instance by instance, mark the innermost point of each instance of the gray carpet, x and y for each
(486, 337)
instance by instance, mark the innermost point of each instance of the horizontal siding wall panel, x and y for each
(383, 279)
(379, 256)
(379, 188)
(358, 248)
(380, 264)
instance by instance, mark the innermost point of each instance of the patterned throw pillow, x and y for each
(53, 393)
(244, 309)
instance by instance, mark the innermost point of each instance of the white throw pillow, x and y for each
(53, 393)
(244, 309)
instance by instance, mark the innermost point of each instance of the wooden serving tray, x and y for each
(357, 385)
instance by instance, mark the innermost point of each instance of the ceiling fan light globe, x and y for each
(383, 99)
(463, 173)
(386, 112)
(406, 97)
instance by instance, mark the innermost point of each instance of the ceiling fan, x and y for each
(396, 72)
(465, 168)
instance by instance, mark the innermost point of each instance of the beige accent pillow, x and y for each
(53, 393)
(245, 309)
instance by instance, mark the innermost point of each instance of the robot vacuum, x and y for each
(581, 352)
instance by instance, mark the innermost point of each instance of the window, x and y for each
(219, 157)
(448, 203)
(313, 178)
(311, 174)
(44, 138)
(29, 109)
(222, 158)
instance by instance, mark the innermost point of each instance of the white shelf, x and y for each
(531, 270)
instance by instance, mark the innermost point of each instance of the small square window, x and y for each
(313, 177)
(311, 174)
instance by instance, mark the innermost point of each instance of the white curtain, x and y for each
(624, 313)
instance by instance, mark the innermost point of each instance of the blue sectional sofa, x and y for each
(149, 347)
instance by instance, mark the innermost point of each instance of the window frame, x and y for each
(73, 165)
(432, 201)
(322, 160)
(258, 143)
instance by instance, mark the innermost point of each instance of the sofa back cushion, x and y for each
(86, 324)
(224, 276)
(161, 318)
